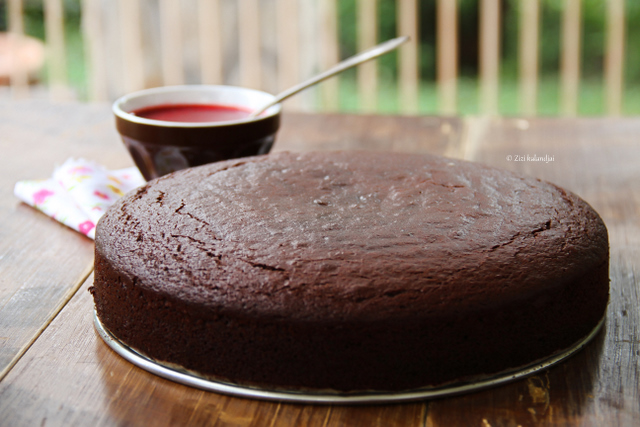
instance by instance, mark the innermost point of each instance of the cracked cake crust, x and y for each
(350, 270)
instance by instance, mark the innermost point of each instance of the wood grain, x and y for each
(69, 377)
(324, 132)
(41, 261)
(82, 382)
(598, 160)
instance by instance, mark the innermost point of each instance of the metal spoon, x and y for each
(357, 59)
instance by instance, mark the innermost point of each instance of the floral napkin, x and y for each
(78, 193)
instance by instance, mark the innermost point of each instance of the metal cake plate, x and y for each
(325, 397)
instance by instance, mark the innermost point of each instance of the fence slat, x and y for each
(291, 65)
(614, 57)
(94, 50)
(489, 55)
(288, 48)
(131, 44)
(210, 39)
(19, 79)
(368, 72)
(330, 53)
(409, 84)
(447, 56)
(171, 42)
(570, 58)
(528, 55)
(249, 44)
(309, 48)
(56, 52)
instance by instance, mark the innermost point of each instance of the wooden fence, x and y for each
(272, 44)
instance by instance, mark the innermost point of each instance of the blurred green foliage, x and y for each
(593, 35)
(593, 44)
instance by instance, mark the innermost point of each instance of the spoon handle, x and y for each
(357, 59)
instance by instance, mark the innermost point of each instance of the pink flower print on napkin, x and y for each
(115, 189)
(115, 179)
(102, 195)
(79, 192)
(80, 169)
(40, 196)
(86, 227)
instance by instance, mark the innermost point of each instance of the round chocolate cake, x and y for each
(350, 271)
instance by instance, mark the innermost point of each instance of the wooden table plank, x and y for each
(324, 132)
(69, 377)
(599, 159)
(41, 262)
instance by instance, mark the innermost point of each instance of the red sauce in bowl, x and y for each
(192, 113)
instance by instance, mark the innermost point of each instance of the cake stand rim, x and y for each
(346, 398)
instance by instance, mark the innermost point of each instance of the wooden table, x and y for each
(56, 371)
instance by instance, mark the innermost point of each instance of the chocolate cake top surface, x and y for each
(358, 235)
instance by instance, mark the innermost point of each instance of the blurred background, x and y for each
(507, 57)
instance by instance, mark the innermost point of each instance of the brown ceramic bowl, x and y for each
(160, 147)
